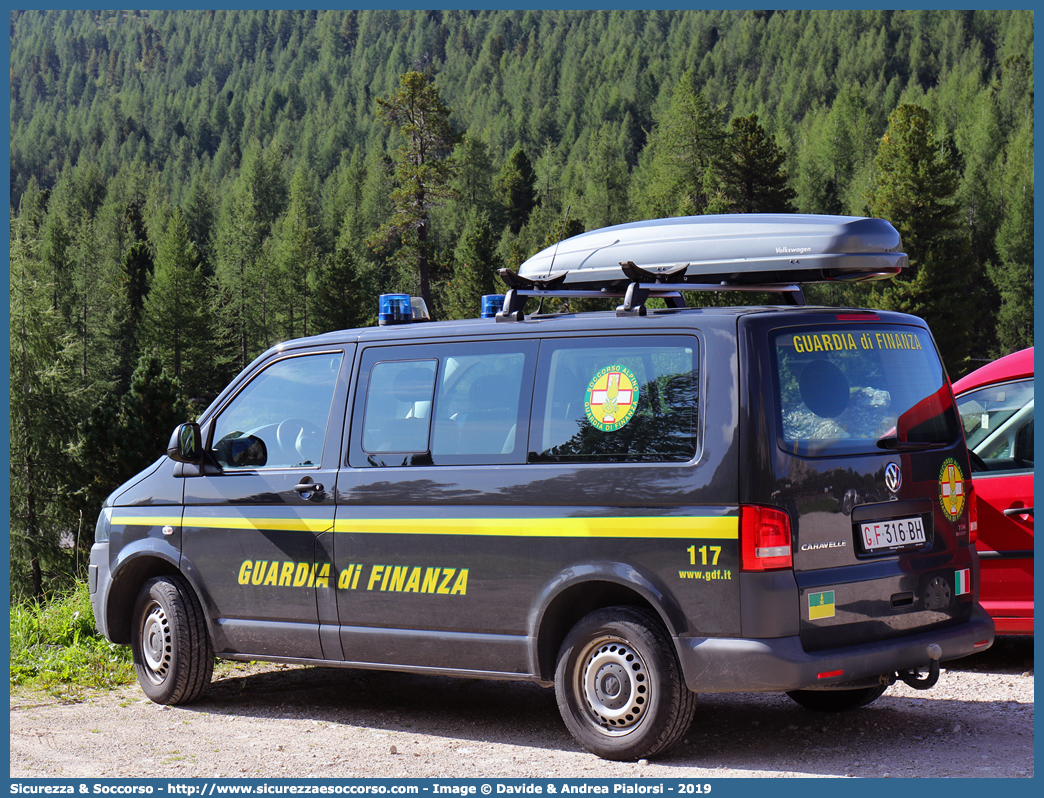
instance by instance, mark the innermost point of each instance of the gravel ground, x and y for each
(282, 721)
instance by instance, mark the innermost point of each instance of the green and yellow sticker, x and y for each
(951, 489)
(611, 398)
(821, 605)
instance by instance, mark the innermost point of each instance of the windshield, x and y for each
(860, 389)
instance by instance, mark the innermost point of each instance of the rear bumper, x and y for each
(724, 665)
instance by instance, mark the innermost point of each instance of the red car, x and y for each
(996, 407)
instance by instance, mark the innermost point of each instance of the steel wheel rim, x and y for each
(156, 643)
(613, 685)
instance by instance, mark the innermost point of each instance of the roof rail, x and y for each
(736, 252)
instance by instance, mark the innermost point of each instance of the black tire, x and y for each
(837, 700)
(173, 655)
(619, 686)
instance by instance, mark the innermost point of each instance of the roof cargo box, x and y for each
(734, 249)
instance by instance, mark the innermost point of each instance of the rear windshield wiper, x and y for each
(894, 444)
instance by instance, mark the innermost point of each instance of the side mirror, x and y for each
(186, 444)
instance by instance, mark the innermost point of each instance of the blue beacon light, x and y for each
(394, 309)
(491, 305)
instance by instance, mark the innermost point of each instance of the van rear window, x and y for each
(616, 400)
(841, 390)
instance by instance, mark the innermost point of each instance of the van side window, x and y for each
(478, 407)
(444, 404)
(398, 406)
(279, 418)
(616, 400)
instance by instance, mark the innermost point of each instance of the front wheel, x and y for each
(619, 686)
(173, 655)
(837, 700)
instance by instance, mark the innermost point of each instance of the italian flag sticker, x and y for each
(821, 605)
(962, 579)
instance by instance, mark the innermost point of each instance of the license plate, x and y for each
(894, 533)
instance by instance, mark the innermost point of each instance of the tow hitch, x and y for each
(914, 678)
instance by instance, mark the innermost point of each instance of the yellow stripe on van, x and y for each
(715, 527)
(146, 520)
(314, 525)
(724, 528)
(646, 527)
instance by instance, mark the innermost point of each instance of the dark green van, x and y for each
(633, 506)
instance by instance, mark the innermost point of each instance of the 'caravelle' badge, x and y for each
(951, 489)
(611, 398)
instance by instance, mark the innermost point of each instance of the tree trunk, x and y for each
(423, 264)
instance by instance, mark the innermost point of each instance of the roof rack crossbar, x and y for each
(515, 298)
(658, 289)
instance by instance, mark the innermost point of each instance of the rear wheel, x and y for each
(173, 655)
(619, 686)
(837, 700)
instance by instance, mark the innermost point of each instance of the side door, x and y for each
(998, 423)
(431, 567)
(257, 529)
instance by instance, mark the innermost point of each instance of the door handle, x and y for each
(306, 485)
(1019, 511)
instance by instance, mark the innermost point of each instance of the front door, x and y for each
(257, 530)
(998, 422)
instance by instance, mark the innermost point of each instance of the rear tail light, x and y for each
(764, 538)
(973, 512)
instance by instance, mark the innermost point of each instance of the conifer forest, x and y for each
(189, 188)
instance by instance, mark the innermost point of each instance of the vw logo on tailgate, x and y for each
(893, 477)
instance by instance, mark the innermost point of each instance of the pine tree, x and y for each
(916, 180)
(125, 432)
(242, 279)
(89, 303)
(344, 196)
(475, 266)
(549, 183)
(1013, 276)
(376, 204)
(680, 177)
(44, 402)
(515, 188)
(343, 298)
(128, 303)
(753, 169)
(605, 191)
(175, 320)
(263, 172)
(473, 182)
(199, 216)
(423, 171)
(295, 245)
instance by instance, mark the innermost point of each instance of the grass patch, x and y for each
(55, 647)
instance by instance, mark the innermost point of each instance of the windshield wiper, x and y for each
(895, 445)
